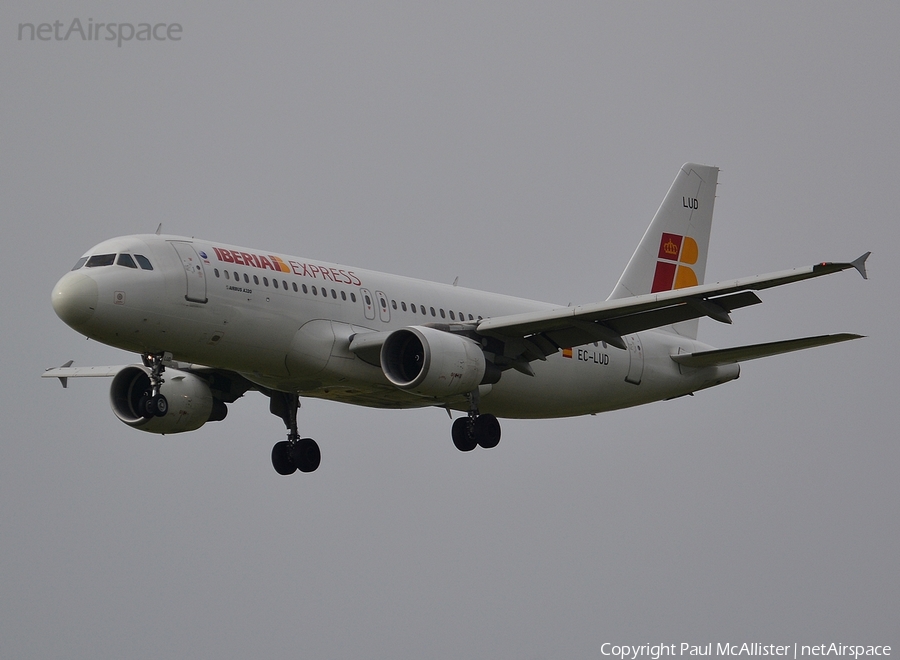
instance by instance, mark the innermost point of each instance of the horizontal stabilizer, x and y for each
(742, 353)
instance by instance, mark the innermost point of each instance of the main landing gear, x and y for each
(153, 403)
(295, 453)
(475, 430)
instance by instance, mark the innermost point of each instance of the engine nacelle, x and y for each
(432, 362)
(191, 403)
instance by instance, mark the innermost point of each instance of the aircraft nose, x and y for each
(74, 299)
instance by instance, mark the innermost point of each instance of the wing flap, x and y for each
(754, 351)
(684, 310)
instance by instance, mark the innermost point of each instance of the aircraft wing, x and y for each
(535, 335)
(67, 371)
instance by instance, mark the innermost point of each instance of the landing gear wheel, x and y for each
(487, 431)
(305, 455)
(161, 405)
(462, 438)
(153, 406)
(295, 453)
(281, 458)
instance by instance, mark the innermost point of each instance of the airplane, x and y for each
(213, 321)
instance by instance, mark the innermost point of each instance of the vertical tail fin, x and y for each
(672, 253)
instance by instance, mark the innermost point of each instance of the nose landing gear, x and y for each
(153, 403)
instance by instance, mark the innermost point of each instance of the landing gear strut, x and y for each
(153, 403)
(475, 430)
(295, 453)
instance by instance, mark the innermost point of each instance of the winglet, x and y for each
(860, 265)
(64, 381)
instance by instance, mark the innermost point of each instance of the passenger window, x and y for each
(452, 315)
(352, 297)
(237, 277)
(126, 260)
(403, 305)
(284, 284)
(394, 304)
(227, 276)
(305, 290)
(216, 271)
(343, 295)
(432, 311)
(368, 300)
(246, 279)
(81, 262)
(255, 279)
(101, 260)
(315, 291)
(295, 286)
(143, 262)
(422, 309)
(443, 316)
(275, 283)
(334, 294)
(265, 281)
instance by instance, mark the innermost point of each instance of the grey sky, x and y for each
(523, 147)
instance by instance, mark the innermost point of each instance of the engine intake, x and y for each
(432, 362)
(191, 403)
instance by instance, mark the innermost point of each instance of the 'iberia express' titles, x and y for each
(277, 264)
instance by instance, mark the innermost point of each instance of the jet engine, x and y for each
(432, 362)
(191, 403)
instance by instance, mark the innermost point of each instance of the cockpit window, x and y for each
(80, 263)
(101, 260)
(126, 260)
(143, 261)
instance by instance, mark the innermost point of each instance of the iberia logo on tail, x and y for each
(673, 266)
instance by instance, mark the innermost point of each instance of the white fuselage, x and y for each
(285, 323)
